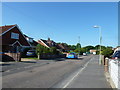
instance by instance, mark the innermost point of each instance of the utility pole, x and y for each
(79, 46)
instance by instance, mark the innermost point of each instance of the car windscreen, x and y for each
(70, 54)
(116, 54)
(31, 51)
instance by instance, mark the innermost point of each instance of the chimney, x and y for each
(48, 39)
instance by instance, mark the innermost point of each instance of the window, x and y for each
(14, 35)
(31, 40)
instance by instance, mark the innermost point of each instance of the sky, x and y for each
(65, 21)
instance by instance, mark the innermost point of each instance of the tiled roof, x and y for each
(51, 43)
(5, 28)
(62, 46)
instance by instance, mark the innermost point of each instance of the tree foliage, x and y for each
(78, 45)
(44, 50)
(107, 52)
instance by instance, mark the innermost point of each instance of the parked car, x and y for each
(84, 54)
(72, 56)
(116, 54)
(31, 53)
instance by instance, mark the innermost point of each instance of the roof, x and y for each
(27, 36)
(93, 50)
(51, 43)
(5, 28)
(63, 46)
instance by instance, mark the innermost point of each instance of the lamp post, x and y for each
(79, 47)
(100, 41)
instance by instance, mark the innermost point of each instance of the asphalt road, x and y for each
(41, 74)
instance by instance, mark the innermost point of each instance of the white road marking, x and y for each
(76, 74)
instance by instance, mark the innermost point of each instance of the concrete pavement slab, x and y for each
(91, 77)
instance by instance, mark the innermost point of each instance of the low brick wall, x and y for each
(13, 56)
(50, 56)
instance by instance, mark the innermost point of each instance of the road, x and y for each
(41, 74)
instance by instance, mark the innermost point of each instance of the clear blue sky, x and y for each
(65, 21)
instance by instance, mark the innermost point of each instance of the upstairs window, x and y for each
(31, 40)
(14, 35)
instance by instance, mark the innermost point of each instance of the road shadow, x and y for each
(5, 64)
(54, 59)
(80, 58)
(60, 59)
(74, 59)
(28, 62)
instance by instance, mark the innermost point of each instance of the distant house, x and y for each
(47, 43)
(12, 39)
(50, 43)
(63, 47)
(93, 51)
(32, 42)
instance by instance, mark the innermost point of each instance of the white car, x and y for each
(84, 54)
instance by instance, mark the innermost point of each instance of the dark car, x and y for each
(31, 53)
(116, 55)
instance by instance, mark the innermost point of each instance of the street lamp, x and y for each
(100, 41)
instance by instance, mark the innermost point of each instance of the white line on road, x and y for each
(76, 74)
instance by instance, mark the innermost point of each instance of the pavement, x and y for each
(91, 76)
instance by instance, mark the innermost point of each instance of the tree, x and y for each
(53, 50)
(107, 52)
(78, 45)
(44, 50)
(80, 51)
(39, 49)
(109, 47)
(87, 48)
(97, 47)
(72, 47)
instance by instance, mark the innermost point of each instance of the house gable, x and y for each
(6, 36)
(17, 42)
(43, 43)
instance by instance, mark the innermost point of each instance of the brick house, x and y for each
(32, 42)
(93, 51)
(50, 43)
(12, 39)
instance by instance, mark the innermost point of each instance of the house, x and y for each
(62, 47)
(32, 42)
(50, 43)
(12, 39)
(92, 51)
(47, 43)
